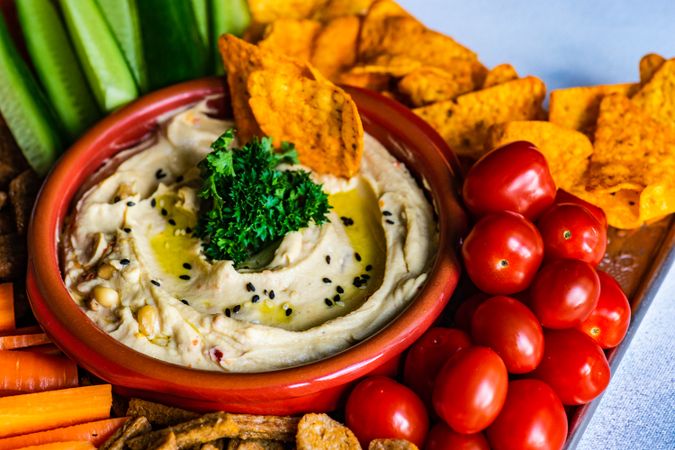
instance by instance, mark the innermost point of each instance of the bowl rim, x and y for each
(101, 354)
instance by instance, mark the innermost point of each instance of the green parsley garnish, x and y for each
(248, 203)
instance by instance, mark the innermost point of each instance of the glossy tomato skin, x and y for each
(514, 177)
(533, 418)
(571, 231)
(509, 328)
(573, 365)
(608, 322)
(502, 253)
(426, 357)
(466, 310)
(470, 389)
(442, 437)
(564, 293)
(562, 196)
(379, 407)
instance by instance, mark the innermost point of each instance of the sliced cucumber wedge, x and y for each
(104, 65)
(122, 17)
(56, 65)
(173, 49)
(227, 16)
(25, 108)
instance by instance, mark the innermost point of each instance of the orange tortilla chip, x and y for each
(566, 151)
(373, 81)
(320, 118)
(429, 85)
(577, 107)
(335, 46)
(341, 8)
(292, 37)
(266, 11)
(649, 64)
(657, 96)
(500, 74)
(465, 121)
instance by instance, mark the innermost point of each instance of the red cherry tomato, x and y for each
(564, 293)
(608, 322)
(509, 328)
(470, 389)
(573, 365)
(466, 309)
(502, 253)
(562, 196)
(514, 177)
(379, 407)
(571, 231)
(442, 437)
(426, 357)
(532, 419)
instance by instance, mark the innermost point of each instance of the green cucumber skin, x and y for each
(104, 65)
(173, 49)
(25, 108)
(56, 66)
(122, 17)
(227, 16)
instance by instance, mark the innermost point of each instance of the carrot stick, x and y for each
(24, 371)
(32, 329)
(72, 445)
(28, 413)
(96, 432)
(7, 306)
(15, 341)
(47, 349)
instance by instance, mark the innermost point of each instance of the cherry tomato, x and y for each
(571, 231)
(442, 437)
(470, 389)
(502, 253)
(608, 322)
(514, 177)
(573, 365)
(466, 309)
(426, 357)
(532, 419)
(379, 407)
(562, 196)
(564, 293)
(509, 328)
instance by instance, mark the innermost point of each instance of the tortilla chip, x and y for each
(464, 122)
(320, 118)
(340, 8)
(657, 97)
(319, 431)
(266, 11)
(391, 444)
(373, 81)
(430, 85)
(500, 74)
(335, 46)
(649, 64)
(631, 170)
(293, 38)
(577, 107)
(566, 151)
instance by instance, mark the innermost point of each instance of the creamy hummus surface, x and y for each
(132, 263)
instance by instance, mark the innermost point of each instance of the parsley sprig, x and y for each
(248, 203)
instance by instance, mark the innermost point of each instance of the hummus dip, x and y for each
(132, 263)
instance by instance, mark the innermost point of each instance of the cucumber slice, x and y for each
(25, 108)
(56, 66)
(201, 11)
(104, 65)
(173, 49)
(227, 16)
(122, 17)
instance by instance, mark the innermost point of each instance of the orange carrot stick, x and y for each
(7, 306)
(96, 432)
(72, 445)
(15, 341)
(32, 329)
(24, 371)
(29, 413)
(48, 349)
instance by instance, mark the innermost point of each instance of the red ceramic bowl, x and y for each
(316, 386)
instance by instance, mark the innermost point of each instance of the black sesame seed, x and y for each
(187, 266)
(390, 222)
(289, 311)
(185, 302)
(172, 222)
(328, 302)
(188, 230)
(179, 178)
(369, 267)
(255, 298)
(340, 290)
(236, 309)
(365, 276)
(327, 259)
(164, 212)
(153, 202)
(357, 256)
(155, 282)
(228, 313)
(131, 204)
(127, 230)
(357, 282)
(124, 261)
(336, 298)
(272, 295)
(250, 287)
(327, 280)
(386, 213)
(184, 277)
(159, 174)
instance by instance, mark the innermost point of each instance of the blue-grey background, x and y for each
(573, 43)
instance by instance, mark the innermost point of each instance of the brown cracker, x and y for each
(157, 414)
(254, 444)
(391, 444)
(320, 432)
(133, 427)
(12, 257)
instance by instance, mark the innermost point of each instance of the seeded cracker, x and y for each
(254, 444)
(157, 414)
(657, 97)
(335, 46)
(166, 440)
(464, 122)
(391, 444)
(133, 427)
(293, 38)
(649, 64)
(500, 74)
(566, 151)
(320, 432)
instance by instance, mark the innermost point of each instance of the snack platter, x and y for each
(321, 208)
